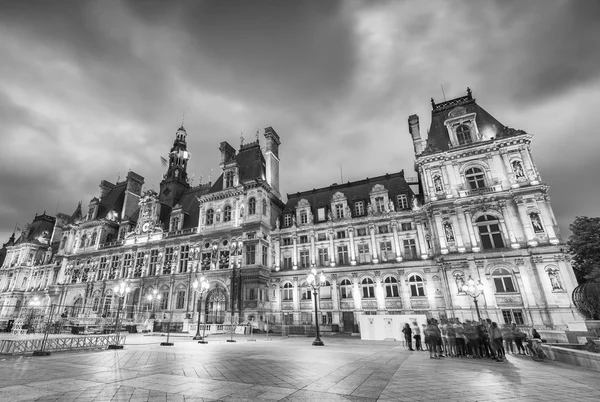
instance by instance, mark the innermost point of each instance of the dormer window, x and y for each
(303, 217)
(229, 179)
(339, 211)
(402, 201)
(463, 135)
(174, 224)
(359, 208)
(210, 215)
(227, 213)
(379, 204)
(287, 220)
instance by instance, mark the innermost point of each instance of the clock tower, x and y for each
(175, 180)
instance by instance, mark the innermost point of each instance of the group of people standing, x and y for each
(472, 339)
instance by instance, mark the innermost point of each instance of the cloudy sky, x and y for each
(91, 89)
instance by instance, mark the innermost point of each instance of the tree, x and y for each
(584, 246)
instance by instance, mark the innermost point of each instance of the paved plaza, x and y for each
(284, 369)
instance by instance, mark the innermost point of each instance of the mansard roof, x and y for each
(41, 228)
(251, 164)
(190, 206)
(353, 191)
(112, 201)
(438, 138)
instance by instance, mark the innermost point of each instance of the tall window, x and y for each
(168, 261)
(417, 286)
(410, 249)
(265, 255)
(402, 201)
(303, 217)
(206, 261)
(306, 291)
(368, 288)
(210, 215)
(391, 287)
(287, 262)
(251, 206)
(304, 259)
(325, 290)
(346, 289)
(164, 300)
(503, 280)
(127, 263)
(153, 262)
(139, 264)
(264, 207)
(463, 135)
(339, 211)
(364, 256)
(359, 208)
(184, 254)
(323, 257)
(321, 214)
(489, 232)
(386, 251)
(342, 255)
(175, 224)
(288, 291)
(223, 259)
(229, 179)
(102, 267)
(180, 299)
(227, 213)
(114, 267)
(379, 204)
(475, 177)
(250, 254)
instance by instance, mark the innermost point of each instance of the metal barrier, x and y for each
(60, 343)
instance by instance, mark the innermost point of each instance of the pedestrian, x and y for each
(496, 337)
(432, 334)
(417, 336)
(443, 330)
(519, 336)
(426, 338)
(473, 344)
(451, 336)
(461, 338)
(508, 337)
(408, 336)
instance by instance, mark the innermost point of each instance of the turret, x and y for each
(175, 179)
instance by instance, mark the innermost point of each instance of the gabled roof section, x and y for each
(39, 231)
(112, 201)
(354, 191)
(438, 138)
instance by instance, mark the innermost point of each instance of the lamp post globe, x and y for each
(315, 281)
(474, 289)
(121, 291)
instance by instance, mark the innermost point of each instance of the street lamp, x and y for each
(121, 291)
(315, 283)
(200, 288)
(474, 290)
(154, 298)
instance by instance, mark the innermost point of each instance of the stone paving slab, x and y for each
(346, 369)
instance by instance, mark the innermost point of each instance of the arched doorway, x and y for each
(216, 306)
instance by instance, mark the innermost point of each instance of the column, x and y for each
(547, 221)
(313, 249)
(442, 238)
(424, 253)
(429, 188)
(457, 233)
(351, 245)
(526, 224)
(373, 244)
(460, 178)
(396, 241)
(469, 220)
(511, 233)
(356, 295)
(529, 167)
(295, 252)
(331, 249)
(509, 172)
(171, 285)
(445, 178)
(379, 292)
(335, 298)
(296, 298)
(277, 246)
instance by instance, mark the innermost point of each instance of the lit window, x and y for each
(475, 177)
(463, 135)
(306, 291)
(489, 232)
(417, 286)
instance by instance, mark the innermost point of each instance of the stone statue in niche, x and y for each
(415, 203)
(369, 209)
(329, 216)
(536, 223)
(348, 212)
(448, 232)
(391, 206)
(310, 217)
(277, 223)
(437, 182)
(518, 169)
(554, 281)
(294, 220)
(460, 281)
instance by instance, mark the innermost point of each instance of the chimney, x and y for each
(105, 187)
(272, 159)
(133, 191)
(227, 153)
(413, 128)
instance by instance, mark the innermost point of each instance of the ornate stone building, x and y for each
(481, 212)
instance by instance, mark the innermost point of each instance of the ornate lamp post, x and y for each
(474, 290)
(315, 283)
(154, 298)
(121, 291)
(200, 287)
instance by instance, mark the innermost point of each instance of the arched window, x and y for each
(368, 288)
(391, 287)
(210, 215)
(346, 289)
(252, 206)
(227, 213)
(475, 177)
(306, 291)
(463, 135)
(264, 207)
(288, 290)
(417, 286)
(489, 232)
(229, 179)
(325, 290)
(503, 280)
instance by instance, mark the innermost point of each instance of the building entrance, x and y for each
(348, 321)
(216, 306)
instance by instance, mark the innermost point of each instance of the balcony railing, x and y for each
(479, 191)
(183, 232)
(115, 243)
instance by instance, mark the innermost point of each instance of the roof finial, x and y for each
(210, 176)
(257, 134)
(241, 138)
(432, 103)
(469, 93)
